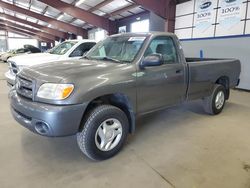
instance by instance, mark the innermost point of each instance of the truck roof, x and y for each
(81, 40)
(152, 33)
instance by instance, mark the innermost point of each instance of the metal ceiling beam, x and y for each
(117, 12)
(54, 32)
(21, 32)
(127, 8)
(38, 33)
(56, 23)
(159, 7)
(100, 5)
(83, 15)
(24, 34)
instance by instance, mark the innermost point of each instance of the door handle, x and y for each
(178, 71)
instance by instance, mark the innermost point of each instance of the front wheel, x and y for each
(214, 104)
(103, 133)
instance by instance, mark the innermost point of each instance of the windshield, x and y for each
(19, 51)
(118, 49)
(62, 48)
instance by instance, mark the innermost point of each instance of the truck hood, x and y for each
(34, 59)
(71, 70)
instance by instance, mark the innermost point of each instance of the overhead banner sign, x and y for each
(204, 15)
(230, 13)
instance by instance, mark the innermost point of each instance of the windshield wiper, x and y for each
(110, 59)
(85, 57)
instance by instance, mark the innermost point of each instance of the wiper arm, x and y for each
(84, 57)
(110, 59)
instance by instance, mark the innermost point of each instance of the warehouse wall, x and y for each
(216, 40)
(130, 19)
(3, 41)
(97, 34)
(156, 23)
(186, 21)
(224, 47)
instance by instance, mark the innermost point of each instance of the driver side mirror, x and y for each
(152, 60)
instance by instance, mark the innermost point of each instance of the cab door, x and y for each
(164, 85)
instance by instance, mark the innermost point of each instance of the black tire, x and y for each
(86, 138)
(7, 59)
(209, 103)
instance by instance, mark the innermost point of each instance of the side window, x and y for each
(165, 46)
(81, 49)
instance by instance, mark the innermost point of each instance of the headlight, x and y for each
(20, 67)
(55, 91)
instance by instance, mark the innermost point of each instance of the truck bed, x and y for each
(196, 59)
(204, 72)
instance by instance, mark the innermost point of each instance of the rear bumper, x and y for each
(45, 119)
(10, 78)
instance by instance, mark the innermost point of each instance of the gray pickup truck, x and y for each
(127, 75)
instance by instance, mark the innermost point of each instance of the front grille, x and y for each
(13, 67)
(24, 87)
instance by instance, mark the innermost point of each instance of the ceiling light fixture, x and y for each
(79, 3)
(60, 17)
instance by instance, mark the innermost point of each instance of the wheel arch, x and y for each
(224, 80)
(119, 100)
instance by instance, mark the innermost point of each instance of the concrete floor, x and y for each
(179, 147)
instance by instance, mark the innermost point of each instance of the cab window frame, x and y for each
(83, 44)
(174, 45)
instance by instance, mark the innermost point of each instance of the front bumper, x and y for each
(10, 77)
(46, 119)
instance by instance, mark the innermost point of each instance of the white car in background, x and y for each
(1, 53)
(70, 49)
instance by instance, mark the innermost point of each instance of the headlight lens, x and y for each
(55, 91)
(20, 67)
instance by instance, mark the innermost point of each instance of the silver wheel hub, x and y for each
(219, 100)
(108, 134)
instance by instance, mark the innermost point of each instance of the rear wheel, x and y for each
(214, 104)
(104, 132)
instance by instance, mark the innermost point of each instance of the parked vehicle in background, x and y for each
(1, 53)
(26, 50)
(70, 49)
(125, 76)
(4, 53)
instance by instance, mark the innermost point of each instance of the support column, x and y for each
(170, 21)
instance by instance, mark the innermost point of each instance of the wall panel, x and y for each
(235, 30)
(186, 17)
(185, 8)
(184, 21)
(248, 27)
(184, 33)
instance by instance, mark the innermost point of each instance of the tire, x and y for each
(99, 120)
(210, 105)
